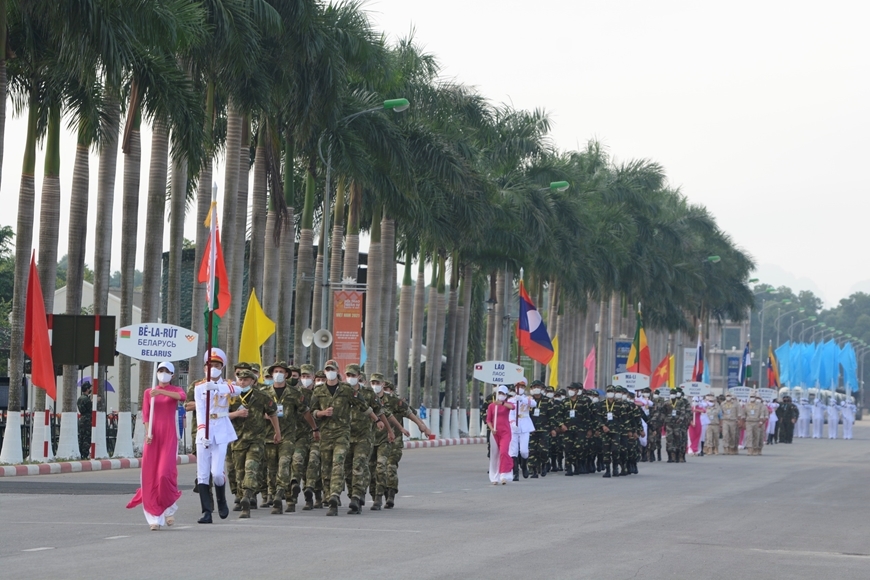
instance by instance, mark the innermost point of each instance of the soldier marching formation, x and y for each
(296, 430)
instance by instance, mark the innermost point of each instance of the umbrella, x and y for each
(106, 384)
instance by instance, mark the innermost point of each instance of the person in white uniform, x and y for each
(521, 428)
(211, 450)
(848, 410)
(771, 422)
(803, 422)
(818, 417)
(833, 418)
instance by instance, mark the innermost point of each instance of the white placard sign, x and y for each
(498, 372)
(767, 395)
(693, 389)
(156, 342)
(689, 355)
(631, 381)
(742, 393)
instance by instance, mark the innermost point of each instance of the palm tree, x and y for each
(417, 334)
(374, 288)
(406, 299)
(304, 271)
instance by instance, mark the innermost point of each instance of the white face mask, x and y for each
(278, 377)
(331, 375)
(551, 395)
(610, 395)
(594, 399)
(377, 388)
(318, 383)
(522, 391)
(306, 382)
(572, 392)
(164, 377)
(536, 391)
(673, 397)
(215, 373)
(352, 381)
(501, 396)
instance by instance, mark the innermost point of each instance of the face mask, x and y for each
(269, 382)
(388, 393)
(164, 377)
(536, 391)
(306, 383)
(673, 397)
(571, 393)
(522, 391)
(559, 398)
(728, 399)
(551, 395)
(215, 373)
(294, 381)
(318, 383)
(352, 381)
(278, 377)
(610, 395)
(331, 375)
(501, 397)
(245, 389)
(377, 388)
(679, 395)
(594, 399)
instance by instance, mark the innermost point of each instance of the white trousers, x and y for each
(161, 519)
(847, 428)
(818, 424)
(519, 445)
(832, 428)
(803, 426)
(210, 461)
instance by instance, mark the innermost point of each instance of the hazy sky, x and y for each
(758, 110)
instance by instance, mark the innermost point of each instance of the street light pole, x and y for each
(761, 339)
(396, 105)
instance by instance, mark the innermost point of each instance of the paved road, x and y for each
(799, 511)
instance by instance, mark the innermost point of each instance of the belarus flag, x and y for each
(531, 331)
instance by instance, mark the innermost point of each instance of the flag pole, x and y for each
(212, 214)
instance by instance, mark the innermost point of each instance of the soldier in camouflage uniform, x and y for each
(306, 448)
(654, 428)
(356, 466)
(612, 421)
(257, 410)
(676, 425)
(636, 430)
(291, 407)
(400, 409)
(539, 439)
(85, 406)
(579, 412)
(332, 403)
(557, 443)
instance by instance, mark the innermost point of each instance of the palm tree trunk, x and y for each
(387, 270)
(49, 221)
(240, 224)
(177, 205)
(78, 231)
(317, 296)
(374, 287)
(600, 354)
(12, 451)
(130, 225)
(335, 266)
(500, 313)
(3, 81)
(417, 332)
(491, 318)
(228, 222)
(404, 340)
(203, 204)
(430, 384)
(351, 250)
(270, 283)
(304, 273)
(440, 330)
(258, 217)
(462, 374)
(105, 204)
(157, 174)
(394, 317)
(450, 331)
(286, 258)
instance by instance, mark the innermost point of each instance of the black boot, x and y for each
(534, 472)
(552, 463)
(221, 493)
(353, 508)
(651, 455)
(601, 464)
(559, 463)
(659, 454)
(524, 465)
(207, 504)
(516, 469)
(606, 471)
(616, 469)
(309, 499)
(682, 456)
(333, 506)
(568, 469)
(580, 468)
(670, 457)
(390, 498)
(633, 467)
(248, 501)
(318, 499)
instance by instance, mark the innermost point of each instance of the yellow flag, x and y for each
(672, 375)
(255, 331)
(211, 209)
(554, 364)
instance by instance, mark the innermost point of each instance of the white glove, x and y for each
(200, 438)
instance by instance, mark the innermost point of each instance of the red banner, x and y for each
(347, 327)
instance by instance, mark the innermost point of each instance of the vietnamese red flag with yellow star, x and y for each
(661, 376)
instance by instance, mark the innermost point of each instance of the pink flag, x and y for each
(589, 365)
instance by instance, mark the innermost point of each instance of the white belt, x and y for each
(218, 415)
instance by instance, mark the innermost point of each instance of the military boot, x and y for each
(376, 504)
(601, 464)
(559, 463)
(318, 499)
(670, 457)
(535, 470)
(553, 463)
(651, 456)
(606, 471)
(253, 500)
(237, 504)
(354, 507)
(569, 470)
(633, 466)
(580, 468)
(206, 503)
(524, 465)
(616, 469)
(267, 501)
(659, 454)
(682, 456)
(391, 498)
(278, 503)
(223, 508)
(309, 500)
(516, 469)
(247, 500)
(294, 497)
(333, 506)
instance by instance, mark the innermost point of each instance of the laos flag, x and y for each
(531, 331)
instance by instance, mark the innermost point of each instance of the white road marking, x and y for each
(116, 537)
(39, 549)
(808, 553)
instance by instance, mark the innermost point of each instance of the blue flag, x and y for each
(783, 355)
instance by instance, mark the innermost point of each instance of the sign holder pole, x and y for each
(95, 387)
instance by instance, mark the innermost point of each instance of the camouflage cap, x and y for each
(389, 385)
(537, 383)
(255, 367)
(561, 392)
(551, 388)
(331, 364)
(247, 374)
(306, 369)
(293, 369)
(350, 369)
(610, 389)
(243, 365)
(376, 377)
(279, 364)
(320, 375)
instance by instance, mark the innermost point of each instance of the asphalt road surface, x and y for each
(798, 511)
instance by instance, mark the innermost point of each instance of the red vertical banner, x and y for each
(347, 327)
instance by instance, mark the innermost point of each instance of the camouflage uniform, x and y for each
(539, 440)
(612, 416)
(356, 465)
(291, 411)
(579, 422)
(632, 455)
(85, 405)
(654, 429)
(557, 443)
(306, 454)
(335, 432)
(248, 449)
(676, 426)
(400, 409)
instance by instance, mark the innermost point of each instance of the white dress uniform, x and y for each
(211, 452)
(803, 422)
(848, 410)
(521, 425)
(833, 419)
(818, 418)
(771, 421)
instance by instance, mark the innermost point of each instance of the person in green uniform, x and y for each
(256, 410)
(85, 406)
(332, 403)
(306, 450)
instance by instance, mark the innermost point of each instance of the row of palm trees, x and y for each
(456, 185)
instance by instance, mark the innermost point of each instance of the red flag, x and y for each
(220, 274)
(36, 343)
(661, 374)
(532, 332)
